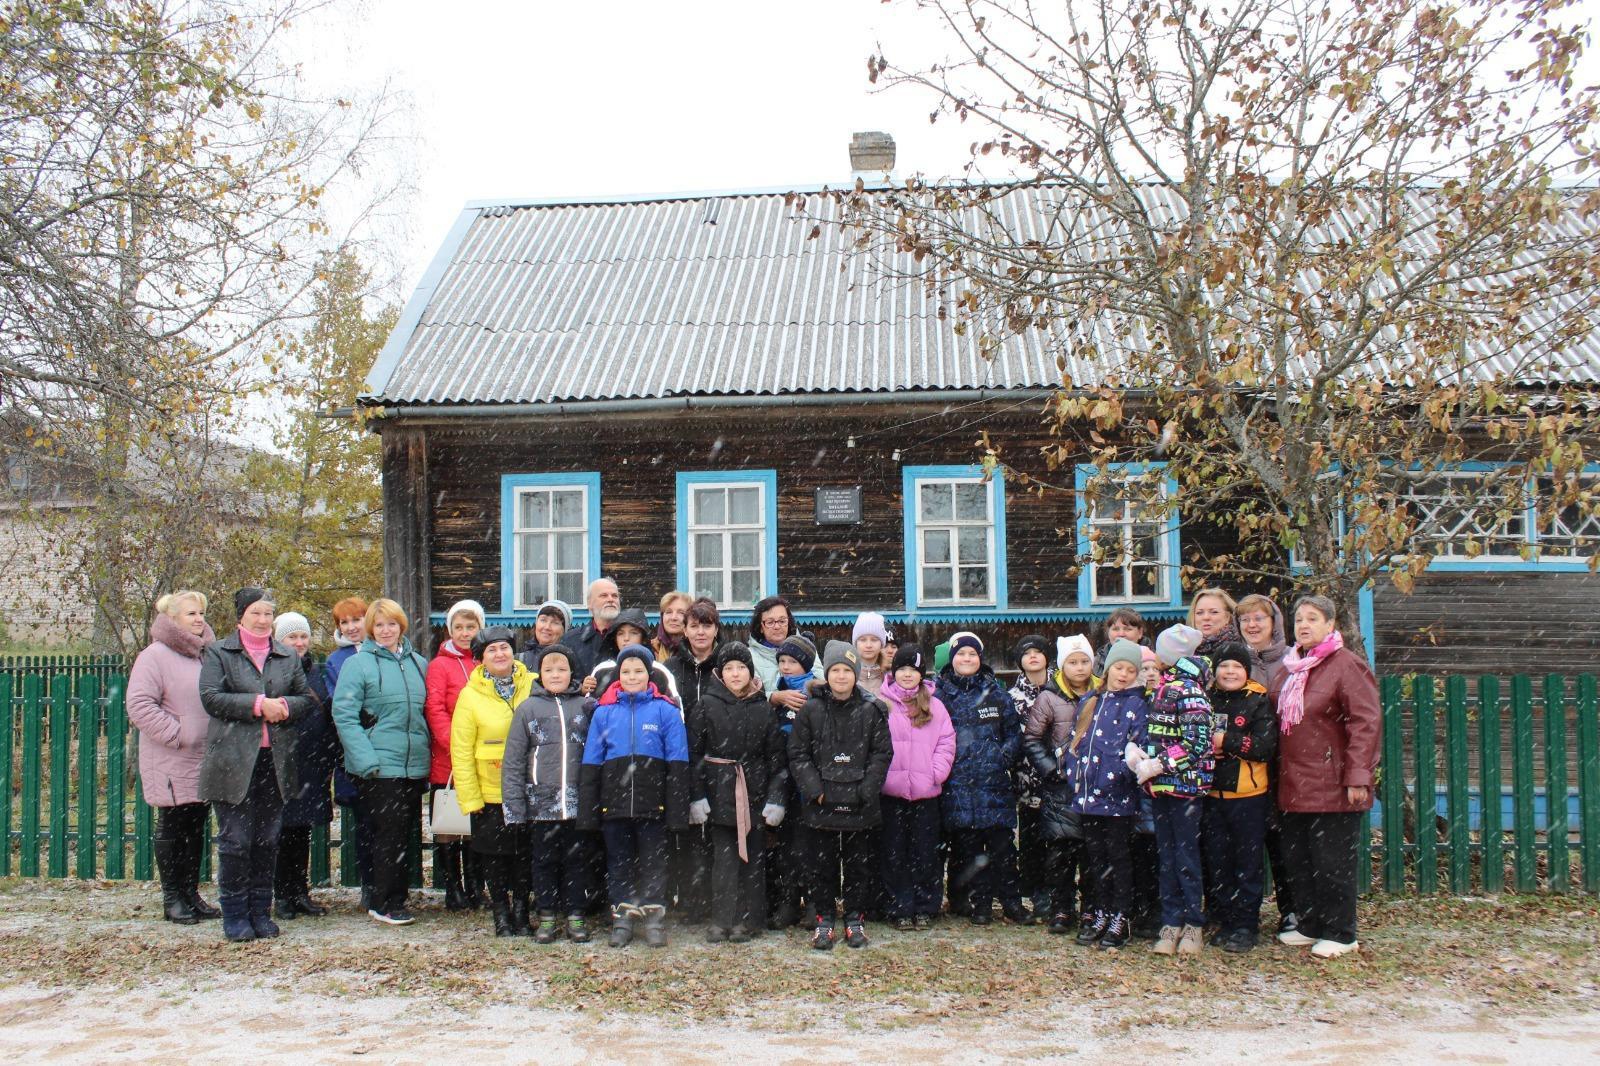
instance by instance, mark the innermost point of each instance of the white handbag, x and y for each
(445, 817)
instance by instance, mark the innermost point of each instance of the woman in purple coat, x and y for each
(163, 702)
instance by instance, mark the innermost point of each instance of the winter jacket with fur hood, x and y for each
(163, 701)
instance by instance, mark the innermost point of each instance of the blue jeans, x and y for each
(1178, 844)
(1235, 830)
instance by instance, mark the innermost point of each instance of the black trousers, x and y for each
(247, 842)
(689, 871)
(293, 877)
(838, 863)
(1064, 867)
(983, 864)
(911, 856)
(786, 876)
(1034, 879)
(636, 861)
(1110, 862)
(738, 888)
(1282, 883)
(389, 807)
(559, 862)
(1232, 832)
(1146, 880)
(1321, 852)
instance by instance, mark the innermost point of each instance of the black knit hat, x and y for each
(1031, 642)
(492, 635)
(909, 655)
(1233, 651)
(735, 652)
(800, 650)
(245, 597)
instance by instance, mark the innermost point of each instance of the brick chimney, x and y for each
(871, 155)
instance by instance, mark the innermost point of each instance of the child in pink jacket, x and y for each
(924, 750)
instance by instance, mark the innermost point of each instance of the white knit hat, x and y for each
(869, 624)
(469, 606)
(1065, 646)
(290, 622)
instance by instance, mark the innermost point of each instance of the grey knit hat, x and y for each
(1124, 651)
(1176, 642)
(839, 652)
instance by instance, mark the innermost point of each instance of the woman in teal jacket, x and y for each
(377, 709)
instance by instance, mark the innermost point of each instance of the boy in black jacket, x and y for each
(839, 754)
(738, 761)
(1244, 738)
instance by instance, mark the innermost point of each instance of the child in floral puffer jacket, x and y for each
(1175, 765)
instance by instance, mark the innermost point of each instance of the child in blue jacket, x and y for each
(635, 786)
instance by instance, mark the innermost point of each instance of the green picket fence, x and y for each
(69, 787)
(1485, 785)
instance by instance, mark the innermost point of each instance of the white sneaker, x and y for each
(1332, 949)
(1296, 939)
(397, 918)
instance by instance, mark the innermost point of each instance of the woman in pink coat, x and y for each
(924, 750)
(163, 703)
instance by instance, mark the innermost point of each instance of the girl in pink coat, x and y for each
(924, 750)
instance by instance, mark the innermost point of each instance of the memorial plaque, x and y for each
(839, 506)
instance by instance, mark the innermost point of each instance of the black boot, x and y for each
(500, 908)
(519, 916)
(449, 858)
(1093, 927)
(472, 875)
(190, 885)
(174, 903)
(306, 905)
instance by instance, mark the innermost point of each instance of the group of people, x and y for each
(1131, 787)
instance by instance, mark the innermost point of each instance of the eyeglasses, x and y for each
(768, 623)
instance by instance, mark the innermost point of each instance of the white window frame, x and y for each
(917, 479)
(516, 487)
(1093, 529)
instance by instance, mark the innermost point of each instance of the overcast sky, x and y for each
(518, 99)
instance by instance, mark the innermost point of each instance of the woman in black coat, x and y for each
(316, 753)
(255, 690)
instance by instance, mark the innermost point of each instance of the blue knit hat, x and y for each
(636, 651)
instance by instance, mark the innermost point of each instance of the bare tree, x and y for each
(1312, 256)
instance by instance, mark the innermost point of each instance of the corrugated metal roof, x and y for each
(724, 294)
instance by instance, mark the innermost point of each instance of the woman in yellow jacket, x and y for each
(477, 742)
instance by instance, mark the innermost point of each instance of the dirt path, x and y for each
(96, 977)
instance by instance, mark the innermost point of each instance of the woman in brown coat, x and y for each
(1332, 729)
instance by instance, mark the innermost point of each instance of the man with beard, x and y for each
(605, 603)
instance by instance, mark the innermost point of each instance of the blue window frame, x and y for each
(1128, 542)
(727, 529)
(955, 537)
(549, 539)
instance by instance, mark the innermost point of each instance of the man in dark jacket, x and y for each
(605, 603)
(839, 754)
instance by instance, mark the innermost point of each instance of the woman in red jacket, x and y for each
(1332, 730)
(447, 676)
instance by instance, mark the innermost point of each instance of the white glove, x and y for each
(1147, 769)
(699, 811)
(772, 814)
(1133, 755)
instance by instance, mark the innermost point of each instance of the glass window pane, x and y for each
(1108, 582)
(710, 507)
(532, 592)
(974, 582)
(936, 583)
(1146, 543)
(973, 544)
(568, 508)
(746, 549)
(746, 588)
(569, 551)
(972, 502)
(535, 551)
(708, 583)
(1146, 580)
(535, 511)
(935, 505)
(744, 506)
(569, 588)
(936, 546)
(708, 549)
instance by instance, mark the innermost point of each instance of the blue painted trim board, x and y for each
(909, 476)
(768, 480)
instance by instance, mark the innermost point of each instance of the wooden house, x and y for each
(687, 392)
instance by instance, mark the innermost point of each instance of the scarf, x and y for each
(506, 687)
(1292, 700)
(667, 640)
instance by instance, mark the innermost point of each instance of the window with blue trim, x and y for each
(550, 538)
(728, 535)
(955, 537)
(1128, 542)
(1485, 515)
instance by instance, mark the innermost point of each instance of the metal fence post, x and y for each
(88, 765)
(116, 777)
(32, 761)
(1393, 786)
(60, 775)
(1427, 786)
(1492, 831)
(7, 726)
(1456, 765)
(1557, 863)
(1524, 853)
(1589, 782)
